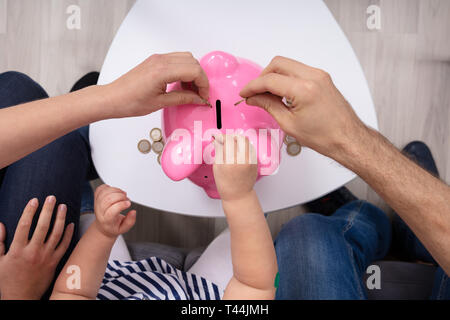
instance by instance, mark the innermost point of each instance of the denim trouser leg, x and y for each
(57, 169)
(441, 286)
(411, 248)
(325, 257)
(17, 88)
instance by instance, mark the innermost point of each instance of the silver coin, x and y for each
(159, 158)
(289, 139)
(158, 147)
(144, 146)
(294, 149)
(156, 134)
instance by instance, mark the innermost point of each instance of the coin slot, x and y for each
(219, 114)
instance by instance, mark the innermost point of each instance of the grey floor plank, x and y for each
(3, 16)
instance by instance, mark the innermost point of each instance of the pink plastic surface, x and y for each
(227, 76)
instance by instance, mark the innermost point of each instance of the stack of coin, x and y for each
(156, 134)
(158, 147)
(293, 147)
(158, 143)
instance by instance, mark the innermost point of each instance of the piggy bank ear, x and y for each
(219, 64)
(177, 160)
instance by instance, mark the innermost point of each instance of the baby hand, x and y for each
(235, 172)
(109, 203)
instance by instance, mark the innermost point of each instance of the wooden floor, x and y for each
(407, 65)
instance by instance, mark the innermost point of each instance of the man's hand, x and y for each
(28, 268)
(234, 178)
(143, 90)
(320, 117)
(109, 203)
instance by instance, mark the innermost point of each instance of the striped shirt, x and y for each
(153, 279)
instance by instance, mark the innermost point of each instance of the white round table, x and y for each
(304, 30)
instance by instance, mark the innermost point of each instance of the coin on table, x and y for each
(159, 158)
(158, 147)
(294, 149)
(144, 146)
(289, 139)
(156, 134)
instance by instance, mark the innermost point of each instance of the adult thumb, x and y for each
(272, 104)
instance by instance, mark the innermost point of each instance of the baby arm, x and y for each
(91, 254)
(253, 254)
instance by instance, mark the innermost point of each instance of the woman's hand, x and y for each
(235, 167)
(28, 268)
(109, 203)
(319, 118)
(143, 90)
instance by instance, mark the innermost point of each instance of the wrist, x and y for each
(103, 235)
(240, 203)
(114, 100)
(95, 102)
(351, 144)
(108, 104)
(357, 150)
(242, 197)
(120, 100)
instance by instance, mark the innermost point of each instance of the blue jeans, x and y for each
(61, 168)
(406, 242)
(323, 257)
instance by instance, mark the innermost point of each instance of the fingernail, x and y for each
(34, 202)
(71, 226)
(51, 199)
(62, 208)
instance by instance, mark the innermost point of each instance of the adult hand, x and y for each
(109, 203)
(143, 90)
(320, 117)
(28, 268)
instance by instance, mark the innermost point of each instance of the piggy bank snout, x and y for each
(177, 160)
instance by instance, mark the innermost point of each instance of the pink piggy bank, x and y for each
(188, 129)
